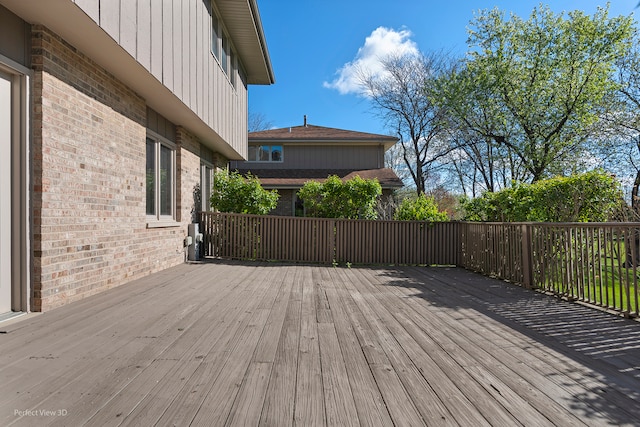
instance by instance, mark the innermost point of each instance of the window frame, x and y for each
(215, 34)
(222, 48)
(158, 219)
(206, 170)
(258, 147)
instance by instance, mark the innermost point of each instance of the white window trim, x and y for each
(204, 202)
(229, 66)
(21, 221)
(270, 151)
(158, 220)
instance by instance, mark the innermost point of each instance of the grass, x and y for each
(595, 274)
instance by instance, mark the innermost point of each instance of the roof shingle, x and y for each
(317, 133)
(279, 178)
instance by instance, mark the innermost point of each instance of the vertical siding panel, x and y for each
(186, 52)
(90, 7)
(156, 9)
(215, 94)
(202, 52)
(206, 60)
(128, 24)
(110, 18)
(144, 33)
(167, 43)
(195, 53)
(179, 33)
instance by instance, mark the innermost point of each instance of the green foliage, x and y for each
(353, 199)
(536, 87)
(420, 208)
(593, 196)
(234, 193)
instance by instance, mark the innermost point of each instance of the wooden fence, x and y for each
(329, 240)
(594, 263)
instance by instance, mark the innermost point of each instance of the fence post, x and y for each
(527, 256)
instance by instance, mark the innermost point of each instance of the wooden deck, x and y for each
(266, 344)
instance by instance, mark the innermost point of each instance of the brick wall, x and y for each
(89, 218)
(188, 175)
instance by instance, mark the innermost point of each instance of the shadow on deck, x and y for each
(268, 344)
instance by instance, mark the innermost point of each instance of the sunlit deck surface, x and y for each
(268, 344)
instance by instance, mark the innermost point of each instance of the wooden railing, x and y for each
(594, 263)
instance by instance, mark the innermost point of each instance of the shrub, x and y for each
(588, 197)
(420, 208)
(353, 199)
(234, 193)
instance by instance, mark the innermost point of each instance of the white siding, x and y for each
(155, 18)
(143, 33)
(128, 26)
(110, 18)
(171, 39)
(90, 7)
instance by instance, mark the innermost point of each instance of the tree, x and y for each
(419, 208)
(538, 85)
(234, 193)
(258, 122)
(625, 116)
(478, 161)
(403, 97)
(353, 199)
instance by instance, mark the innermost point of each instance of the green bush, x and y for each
(353, 199)
(590, 197)
(420, 208)
(234, 193)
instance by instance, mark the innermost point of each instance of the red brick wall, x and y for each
(188, 172)
(89, 219)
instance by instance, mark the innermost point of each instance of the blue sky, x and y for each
(312, 43)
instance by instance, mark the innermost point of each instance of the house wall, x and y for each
(286, 202)
(89, 218)
(172, 40)
(304, 156)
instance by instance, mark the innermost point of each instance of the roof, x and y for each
(312, 133)
(242, 20)
(296, 178)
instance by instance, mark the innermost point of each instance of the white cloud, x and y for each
(381, 43)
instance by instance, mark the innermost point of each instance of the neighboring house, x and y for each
(113, 115)
(284, 159)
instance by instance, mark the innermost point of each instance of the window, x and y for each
(234, 68)
(221, 47)
(265, 153)
(206, 183)
(225, 53)
(161, 167)
(215, 35)
(298, 206)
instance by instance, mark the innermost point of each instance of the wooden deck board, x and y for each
(309, 408)
(480, 365)
(544, 355)
(245, 344)
(370, 404)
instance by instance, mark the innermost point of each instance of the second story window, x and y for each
(225, 56)
(265, 153)
(215, 36)
(221, 47)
